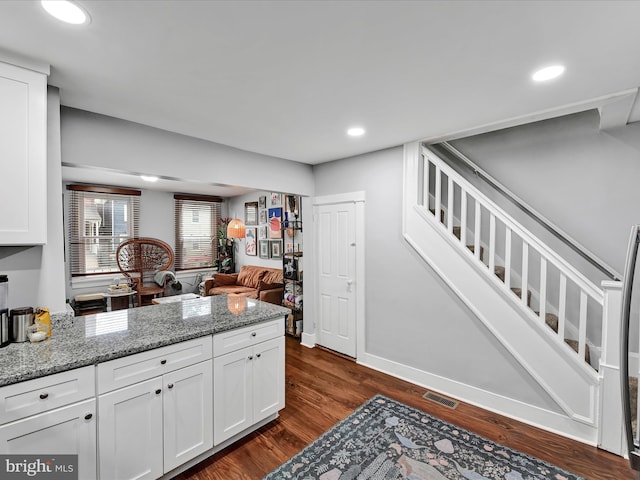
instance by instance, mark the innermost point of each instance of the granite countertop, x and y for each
(104, 336)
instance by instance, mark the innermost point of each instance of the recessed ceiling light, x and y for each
(66, 11)
(548, 73)
(149, 178)
(355, 131)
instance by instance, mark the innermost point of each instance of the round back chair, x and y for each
(140, 259)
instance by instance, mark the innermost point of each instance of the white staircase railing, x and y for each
(575, 307)
(543, 310)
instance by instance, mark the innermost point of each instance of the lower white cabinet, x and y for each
(151, 427)
(248, 387)
(187, 414)
(66, 430)
(156, 410)
(130, 426)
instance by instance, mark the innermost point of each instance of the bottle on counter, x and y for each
(44, 318)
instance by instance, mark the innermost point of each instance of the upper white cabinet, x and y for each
(23, 156)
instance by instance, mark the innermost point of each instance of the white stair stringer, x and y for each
(570, 382)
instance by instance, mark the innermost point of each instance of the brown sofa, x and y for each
(262, 283)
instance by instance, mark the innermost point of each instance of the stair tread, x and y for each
(518, 292)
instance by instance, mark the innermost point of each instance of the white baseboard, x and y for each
(508, 407)
(308, 339)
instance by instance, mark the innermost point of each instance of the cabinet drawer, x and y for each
(244, 337)
(143, 366)
(46, 393)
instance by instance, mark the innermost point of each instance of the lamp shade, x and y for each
(236, 229)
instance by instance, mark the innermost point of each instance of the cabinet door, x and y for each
(268, 378)
(232, 394)
(23, 137)
(67, 430)
(188, 413)
(130, 432)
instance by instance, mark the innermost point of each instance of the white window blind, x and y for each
(197, 221)
(100, 218)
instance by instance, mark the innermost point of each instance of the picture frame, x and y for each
(292, 206)
(275, 221)
(263, 247)
(262, 201)
(263, 216)
(250, 245)
(263, 232)
(251, 213)
(275, 199)
(275, 247)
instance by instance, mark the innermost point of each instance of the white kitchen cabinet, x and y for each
(187, 414)
(130, 438)
(23, 154)
(162, 414)
(52, 415)
(248, 386)
(66, 430)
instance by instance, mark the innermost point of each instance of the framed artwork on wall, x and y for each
(251, 213)
(276, 248)
(263, 216)
(276, 199)
(263, 232)
(264, 248)
(250, 245)
(275, 216)
(292, 206)
(262, 201)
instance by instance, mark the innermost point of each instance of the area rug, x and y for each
(386, 440)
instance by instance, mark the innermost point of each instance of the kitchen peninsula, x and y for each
(145, 392)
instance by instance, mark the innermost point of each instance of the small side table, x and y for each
(120, 301)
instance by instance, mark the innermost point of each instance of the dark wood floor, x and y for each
(323, 388)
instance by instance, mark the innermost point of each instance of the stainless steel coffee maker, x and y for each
(5, 334)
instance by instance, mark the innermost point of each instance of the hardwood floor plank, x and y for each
(323, 388)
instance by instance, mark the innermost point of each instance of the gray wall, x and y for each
(93, 140)
(582, 179)
(412, 317)
(37, 274)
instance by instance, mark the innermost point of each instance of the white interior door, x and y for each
(336, 248)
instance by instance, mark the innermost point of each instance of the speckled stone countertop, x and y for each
(98, 338)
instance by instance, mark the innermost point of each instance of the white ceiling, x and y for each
(286, 78)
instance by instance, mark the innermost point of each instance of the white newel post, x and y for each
(611, 430)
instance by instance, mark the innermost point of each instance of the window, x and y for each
(100, 218)
(197, 220)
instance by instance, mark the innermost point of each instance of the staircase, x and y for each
(549, 316)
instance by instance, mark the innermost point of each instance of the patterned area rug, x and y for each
(385, 440)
